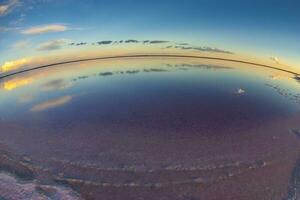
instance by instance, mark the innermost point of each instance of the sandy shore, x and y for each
(257, 163)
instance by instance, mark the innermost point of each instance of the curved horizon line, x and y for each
(144, 56)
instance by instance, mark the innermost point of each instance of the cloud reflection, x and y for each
(26, 98)
(15, 83)
(53, 103)
(58, 84)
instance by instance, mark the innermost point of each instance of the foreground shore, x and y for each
(261, 164)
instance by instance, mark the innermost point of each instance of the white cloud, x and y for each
(8, 7)
(45, 29)
(52, 45)
(7, 29)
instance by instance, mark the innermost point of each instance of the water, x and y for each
(202, 119)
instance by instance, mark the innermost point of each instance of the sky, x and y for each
(35, 29)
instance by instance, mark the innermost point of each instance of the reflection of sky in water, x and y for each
(157, 95)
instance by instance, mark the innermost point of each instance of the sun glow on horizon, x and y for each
(15, 83)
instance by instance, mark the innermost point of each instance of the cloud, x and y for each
(155, 70)
(297, 78)
(78, 44)
(21, 44)
(58, 84)
(210, 49)
(158, 41)
(51, 104)
(26, 98)
(184, 43)
(15, 64)
(105, 42)
(131, 41)
(7, 29)
(108, 42)
(8, 7)
(146, 41)
(132, 71)
(106, 74)
(45, 29)
(155, 41)
(52, 45)
(202, 66)
(207, 49)
(16, 83)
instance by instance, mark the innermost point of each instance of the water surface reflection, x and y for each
(154, 125)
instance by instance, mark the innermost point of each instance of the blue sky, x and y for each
(258, 27)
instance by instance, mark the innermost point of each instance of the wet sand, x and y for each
(252, 163)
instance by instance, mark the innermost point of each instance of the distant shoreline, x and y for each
(146, 56)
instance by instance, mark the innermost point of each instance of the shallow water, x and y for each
(154, 125)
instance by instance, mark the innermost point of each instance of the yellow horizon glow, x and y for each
(93, 52)
(15, 64)
(15, 83)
